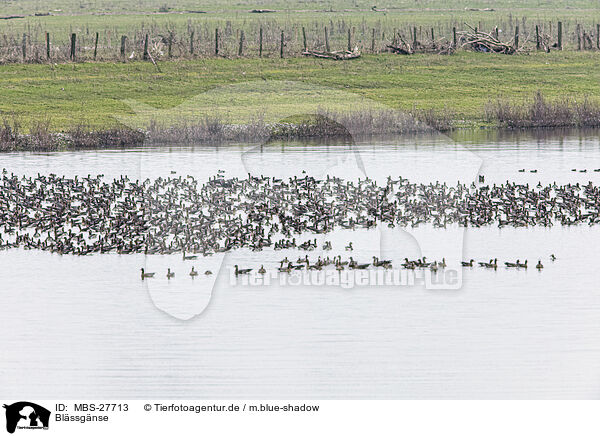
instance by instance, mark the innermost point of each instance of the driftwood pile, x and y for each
(485, 42)
(401, 46)
(342, 55)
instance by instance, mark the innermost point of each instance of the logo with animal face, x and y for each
(26, 415)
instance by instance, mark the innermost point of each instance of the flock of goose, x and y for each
(82, 216)
(304, 263)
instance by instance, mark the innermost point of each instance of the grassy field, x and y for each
(113, 19)
(95, 94)
(117, 6)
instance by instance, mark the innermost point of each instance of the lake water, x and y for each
(89, 327)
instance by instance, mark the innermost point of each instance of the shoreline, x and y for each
(97, 140)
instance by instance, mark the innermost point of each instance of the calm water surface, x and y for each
(88, 327)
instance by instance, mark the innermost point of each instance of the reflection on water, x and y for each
(97, 330)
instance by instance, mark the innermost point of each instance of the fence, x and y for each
(274, 39)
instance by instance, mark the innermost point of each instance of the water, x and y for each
(88, 327)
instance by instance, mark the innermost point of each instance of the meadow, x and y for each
(95, 94)
(103, 88)
(189, 28)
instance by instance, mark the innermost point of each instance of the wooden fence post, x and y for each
(414, 37)
(170, 47)
(281, 49)
(537, 37)
(432, 35)
(349, 40)
(48, 45)
(578, 31)
(598, 36)
(192, 43)
(24, 46)
(96, 46)
(326, 41)
(260, 42)
(516, 37)
(73, 42)
(217, 41)
(304, 38)
(560, 35)
(241, 48)
(123, 40)
(454, 40)
(373, 41)
(146, 57)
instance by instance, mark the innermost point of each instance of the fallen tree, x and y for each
(400, 46)
(335, 55)
(485, 42)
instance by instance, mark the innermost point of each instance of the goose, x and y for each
(189, 257)
(193, 272)
(340, 262)
(522, 170)
(539, 265)
(241, 271)
(493, 263)
(552, 257)
(349, 247)
(377, 262)
(522, 265)
(360, 265)
(207, 272)
(286, 269)
(146, 275)
(316, 266)
(170, 274)
(468, 264)
(511, 264)
(486, 263)
(262, 270)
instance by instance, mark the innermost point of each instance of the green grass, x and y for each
(94, 93)
(112, 18)
(117, 6)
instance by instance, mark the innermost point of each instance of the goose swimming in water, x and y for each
(189, 257)
(262, 270)
(468, 264)
(170, 274)
(241, 271)
(539, 265)
(193, 272)
(286, 269)
(82, 216)
(383, 263)
(146, 275)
